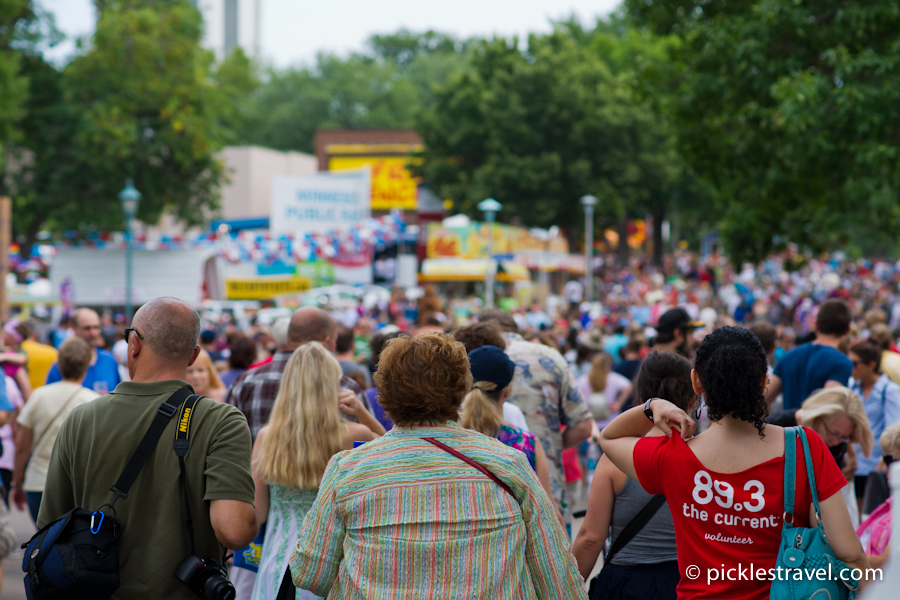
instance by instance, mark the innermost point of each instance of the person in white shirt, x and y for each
(40, 420)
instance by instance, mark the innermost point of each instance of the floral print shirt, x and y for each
(546, 390)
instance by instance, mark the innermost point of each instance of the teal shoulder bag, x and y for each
(805, 553)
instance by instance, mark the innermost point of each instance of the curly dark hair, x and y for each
(665, 375)
(731, 364)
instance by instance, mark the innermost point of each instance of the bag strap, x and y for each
(635, 525)
(790, 470)
(478, 466)
(811, 474)
(62, 410)
(145, 448)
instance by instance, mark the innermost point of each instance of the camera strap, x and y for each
(182, 445)
(145, 448)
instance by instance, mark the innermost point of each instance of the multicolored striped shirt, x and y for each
(400, 518)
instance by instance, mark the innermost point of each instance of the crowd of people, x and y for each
(416, 450)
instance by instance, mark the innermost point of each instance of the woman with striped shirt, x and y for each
(432, 510)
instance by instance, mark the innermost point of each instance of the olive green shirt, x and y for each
(97, 440)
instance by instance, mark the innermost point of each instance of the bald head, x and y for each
(311, 324)
(170, 328)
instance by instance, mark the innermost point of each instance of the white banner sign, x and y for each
(321, 202)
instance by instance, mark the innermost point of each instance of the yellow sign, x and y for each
(393, 186)
(262, 289)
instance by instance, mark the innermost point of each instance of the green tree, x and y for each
(22, 26)
(141, 103)
(790, 110)
(236, 79)
(358, 92)
(538, 129)
(381, 87)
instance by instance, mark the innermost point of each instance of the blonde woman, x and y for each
(482, 410)
(605, 390)
(204, 378)
(837, 414)
(304, 431)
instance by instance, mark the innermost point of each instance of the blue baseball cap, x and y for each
(490, 363)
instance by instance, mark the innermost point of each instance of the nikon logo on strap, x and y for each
(185, 412)
(185, 421)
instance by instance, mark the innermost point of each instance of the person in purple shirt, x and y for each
(103, 374)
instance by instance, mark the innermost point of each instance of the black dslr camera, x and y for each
(206, 578)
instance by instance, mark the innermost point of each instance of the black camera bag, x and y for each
(76, 557)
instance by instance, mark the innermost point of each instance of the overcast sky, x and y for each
(294, 30)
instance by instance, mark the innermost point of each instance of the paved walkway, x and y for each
(13, 589)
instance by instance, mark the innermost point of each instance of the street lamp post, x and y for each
(588, 202)
(130, 199)
(490, 208)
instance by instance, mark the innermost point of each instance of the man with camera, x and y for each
(162, 553)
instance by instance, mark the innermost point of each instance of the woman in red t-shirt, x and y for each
(725, 487)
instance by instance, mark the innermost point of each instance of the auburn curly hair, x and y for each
(423, 379)
(731, 364)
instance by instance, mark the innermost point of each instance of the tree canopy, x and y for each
(539, 128)
(790, 110)
(771, 120)
(141, 102)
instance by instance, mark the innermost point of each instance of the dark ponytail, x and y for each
(665, 375)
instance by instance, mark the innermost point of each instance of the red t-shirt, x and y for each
(723, 520)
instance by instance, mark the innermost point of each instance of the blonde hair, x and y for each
(833, 401)
(304, 429)
(600, 369)
(890, 439)
(480, 411)
(204, 361)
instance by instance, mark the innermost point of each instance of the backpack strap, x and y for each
(790, 471)
(145, 448)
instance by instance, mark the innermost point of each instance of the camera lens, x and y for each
(217, 587)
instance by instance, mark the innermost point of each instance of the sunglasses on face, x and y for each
(888, 459)
(128, 333)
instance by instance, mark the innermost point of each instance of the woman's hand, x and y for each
(667, 417)
(349, 403)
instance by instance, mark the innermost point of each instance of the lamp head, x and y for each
(489, 205)
(589, 200)
(130, 199)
